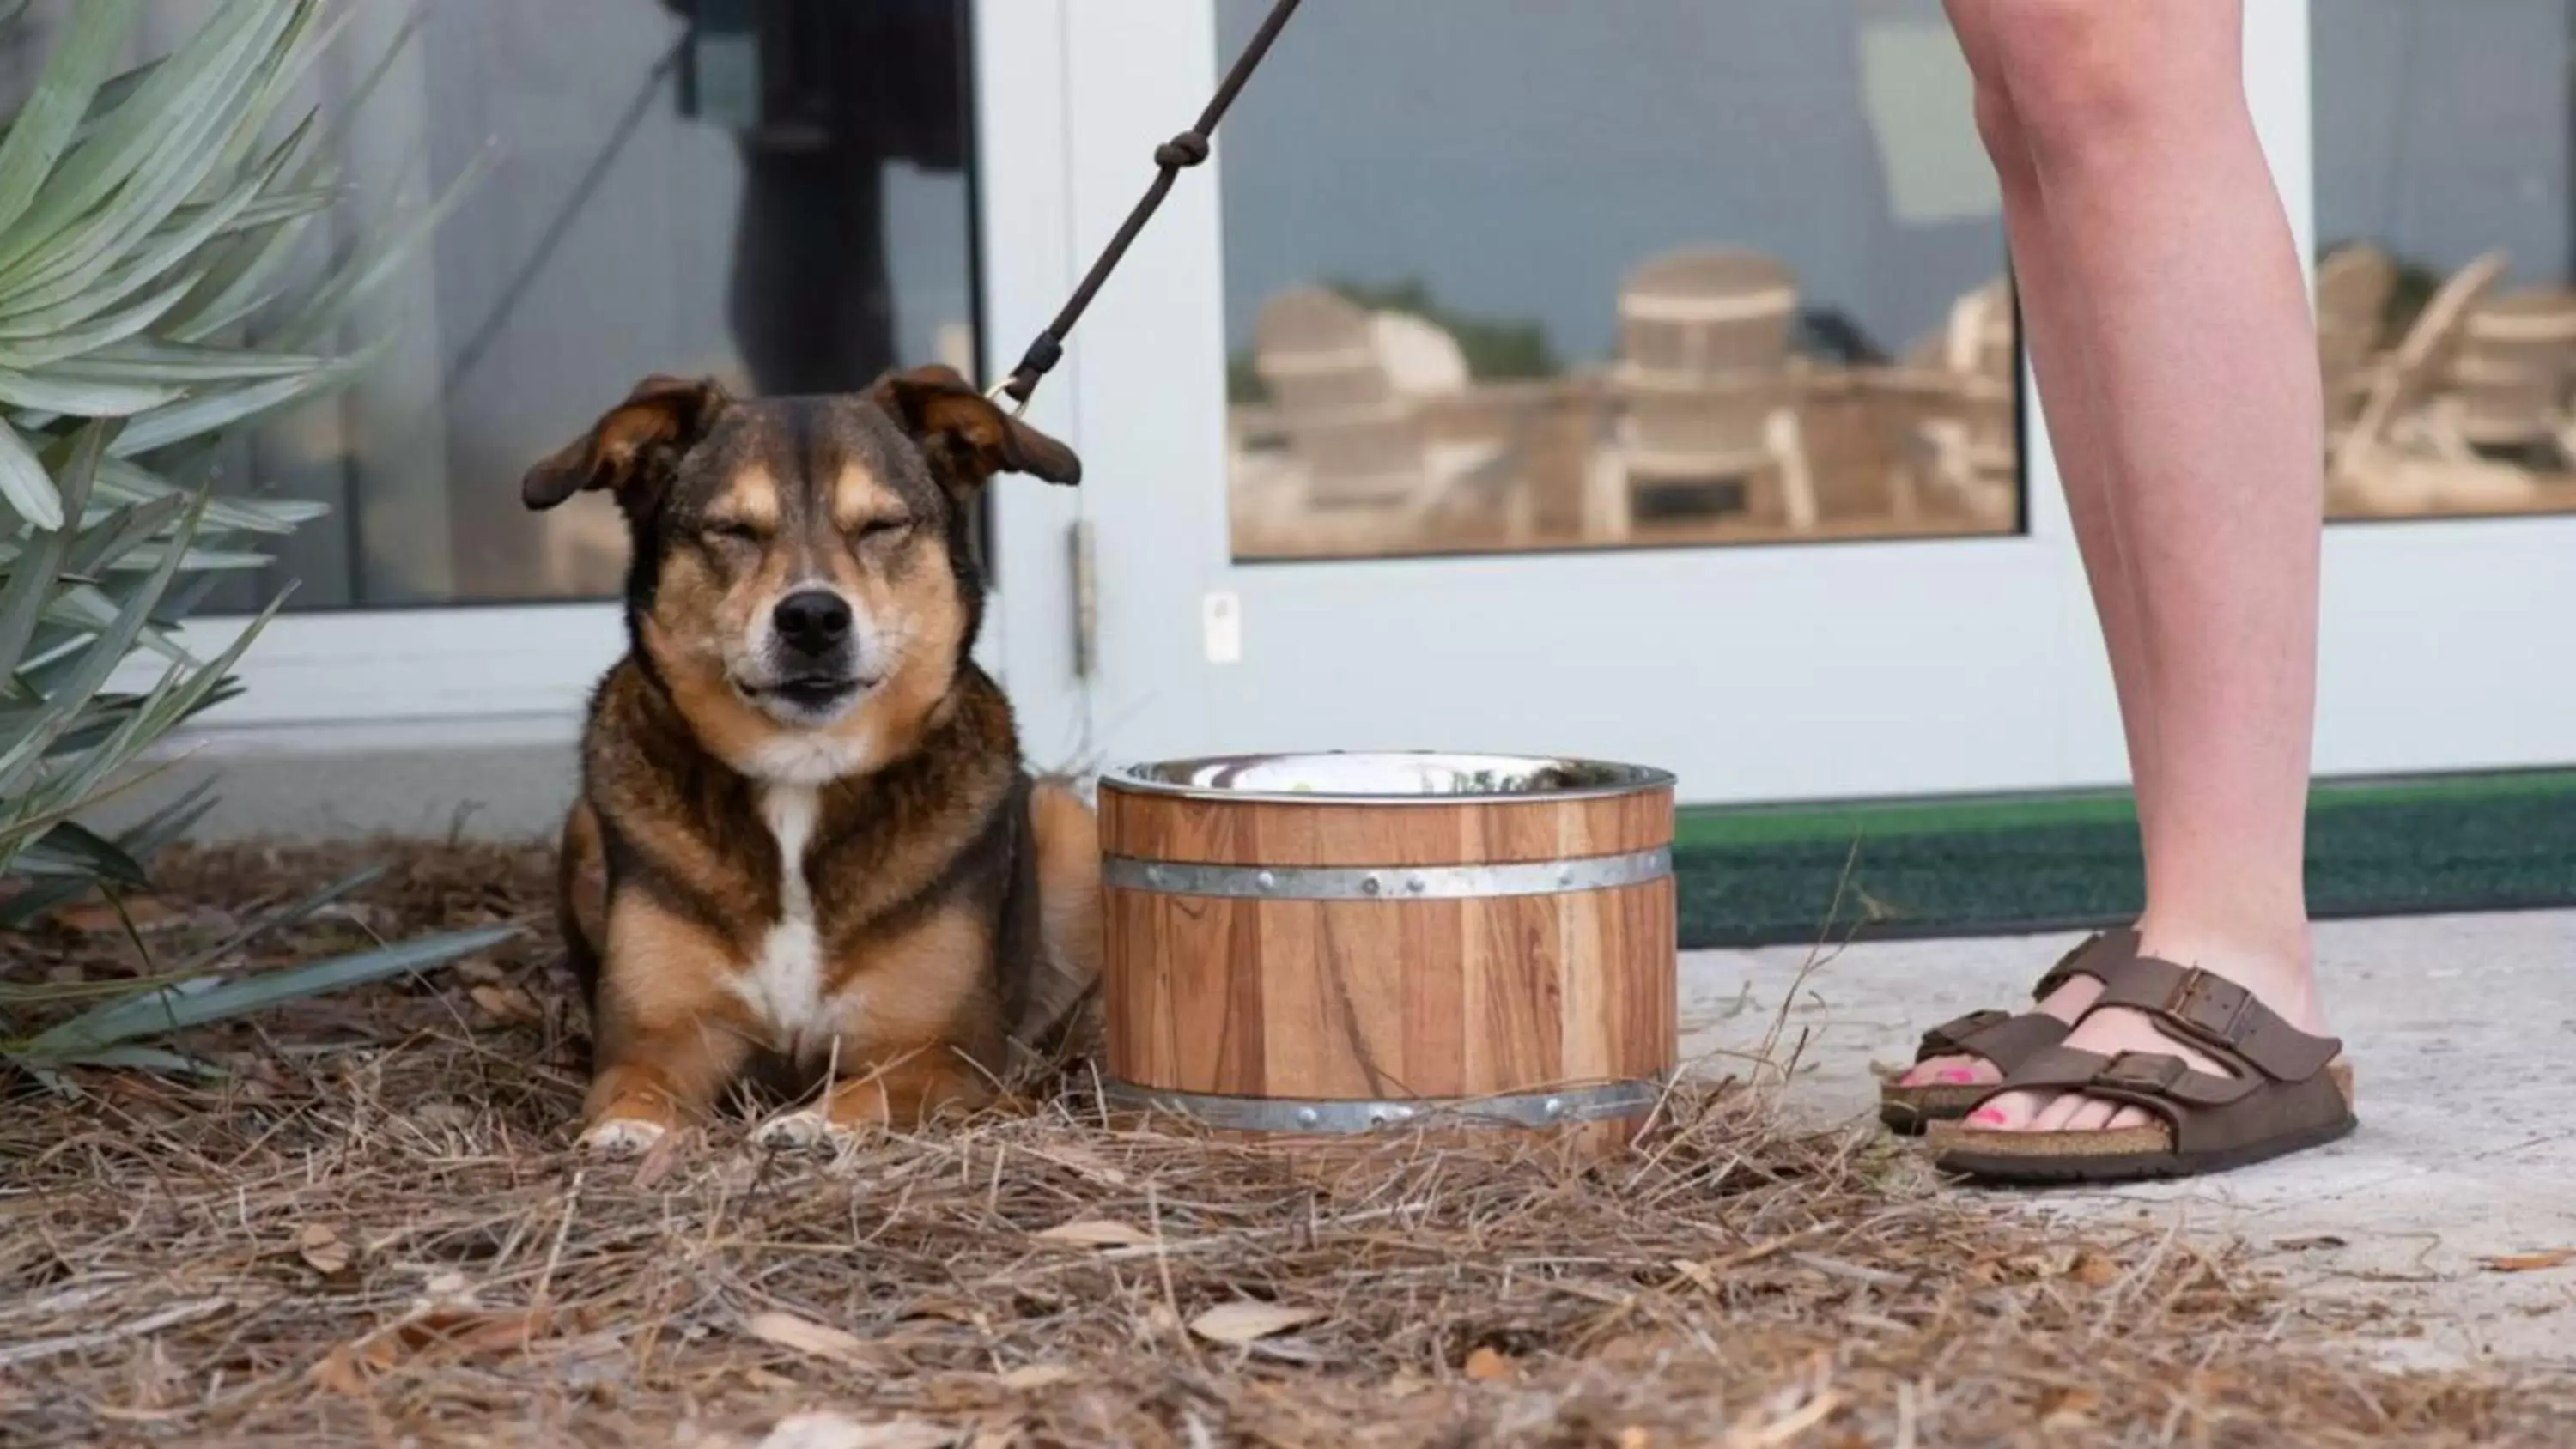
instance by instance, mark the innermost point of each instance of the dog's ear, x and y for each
(635, 444)
(966, 435)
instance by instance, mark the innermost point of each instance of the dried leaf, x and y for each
(805, 1336)
(322, 1248)
(1097, 1233)
(478, 970)
(833, 1431)
(1039, 1376)
(2067, 1407)
(1244, 1322)
(1488, 1366)
(1088, 1163)
(339, 1373)
(498, 1333)
(506, 1005)
(98, 918)
(2529, 1262)
(2095, 1271)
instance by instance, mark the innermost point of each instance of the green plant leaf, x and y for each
(184, 90)
(142, 841)
(125, 481)
(149, 1059)
(44, 127)
(22, 601)
(176, 364)
(98, 663)
(278, 208)
(211, 411)
(178, 1008)
(187, 152)
(25, 485)
(71, 849)
(383, 256)
(30, 352)
(82, 399)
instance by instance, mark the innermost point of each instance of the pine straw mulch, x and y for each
(374, 1234)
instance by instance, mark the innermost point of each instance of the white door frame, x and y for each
(1776, 672)
(1835, 670)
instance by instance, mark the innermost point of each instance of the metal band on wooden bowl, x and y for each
(1290, 1115)
(1398, 883)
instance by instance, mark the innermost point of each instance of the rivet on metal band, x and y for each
(1354, 883)
(1294, 1115)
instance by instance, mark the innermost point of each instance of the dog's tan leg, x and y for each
(1067, 836)
(925, 1038)
(581, 881)
(669, 1034)
(934, 1081)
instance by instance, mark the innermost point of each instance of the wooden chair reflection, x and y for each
(1966, 448)
(1358, 403)
(1707, 419)
(2407, 451)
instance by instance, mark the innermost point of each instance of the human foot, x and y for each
(1960, 1061)
(2175, 1071)
(2281, 981)
(2285, 983)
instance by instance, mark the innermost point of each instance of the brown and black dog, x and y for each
(807, 852)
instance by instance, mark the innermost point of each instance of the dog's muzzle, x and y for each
(811, 657)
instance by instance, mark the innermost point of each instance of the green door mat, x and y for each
(1774, 874)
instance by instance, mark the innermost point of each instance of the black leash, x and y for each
(1173, 157)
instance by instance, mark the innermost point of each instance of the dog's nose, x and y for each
(813, 621)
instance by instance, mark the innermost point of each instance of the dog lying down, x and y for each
(807, 855)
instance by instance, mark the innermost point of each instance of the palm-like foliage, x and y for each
(151, 304)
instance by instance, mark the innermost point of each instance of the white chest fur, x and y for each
(783, 984)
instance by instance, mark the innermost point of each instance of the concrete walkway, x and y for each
(2462, 1032)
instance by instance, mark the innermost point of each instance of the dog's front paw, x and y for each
(623, 1137)
(802, 1130)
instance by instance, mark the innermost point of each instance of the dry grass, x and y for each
(374, 1234)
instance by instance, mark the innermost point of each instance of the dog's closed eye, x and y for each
(876, 530)
(729, 531)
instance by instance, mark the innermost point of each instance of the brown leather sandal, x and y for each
(2287, 1091)
(2009, 1041)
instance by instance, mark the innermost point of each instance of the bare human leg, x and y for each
(2164, 289)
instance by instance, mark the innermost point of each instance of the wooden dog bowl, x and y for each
(1305, 946)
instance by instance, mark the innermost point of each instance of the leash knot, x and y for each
(1184, 150)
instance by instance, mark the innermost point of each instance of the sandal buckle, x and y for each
(2213, 1007)
(2142, 1071)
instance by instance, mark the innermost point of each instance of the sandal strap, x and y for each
(2201, 1113)
(2009, 1039)
(2214, 1014)
(2276, 1084)
(2097, 953)
(2126, 1075)
(2000, 1037)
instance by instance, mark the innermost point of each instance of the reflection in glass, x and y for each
(2445, 317)
(772, 192)
(1505, 274)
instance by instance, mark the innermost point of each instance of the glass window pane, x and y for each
(2446, 303)
(1516, 274)
(773, 192)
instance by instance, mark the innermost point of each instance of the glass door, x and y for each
(1635, 380)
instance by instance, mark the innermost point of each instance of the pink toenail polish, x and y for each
(1987, 1114)
(1958, 1076)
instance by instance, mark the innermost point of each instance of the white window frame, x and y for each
(2439, 635)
